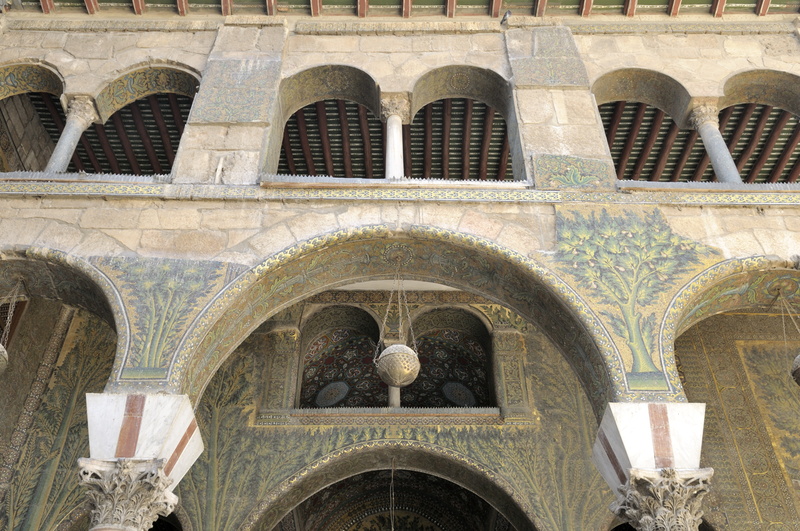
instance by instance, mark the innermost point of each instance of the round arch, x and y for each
(327, 82)
(381, 455)
(55, 275)
(21, 78)
(459, 81)
(769, 87)
(729, 285)
(645, 86)
(431, 254)
(142, 82)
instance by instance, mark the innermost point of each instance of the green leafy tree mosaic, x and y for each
(45, 490)
(627, 261)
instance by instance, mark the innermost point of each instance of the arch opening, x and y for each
(398, 499)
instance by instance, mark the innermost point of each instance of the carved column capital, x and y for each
(126, 494)
(663, 500)
(704, 114)
(81, 109)
(396, 104)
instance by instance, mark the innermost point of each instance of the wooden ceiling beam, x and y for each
(655, 130)
(343, 123)
(176, 112)
(631, 141)
(407, 8)
(466, 139)
(666, 148)
(717, 7)
(744, 119)
(363, 123)
(494, 8)
(501, 170)
(755, 139)
(287, 151)
(106, 147)
(322, 123)
(47, 6)
(138, 121)
(769, 145)
(630, 8)
(446, 124)
(611, 134)
(363, 8)
(691, 139)
(585, 8)
(408, 164)
(126, 143)
(450, 10)
(762, 7)
(155, 108)
(227, 7)
(139, 6)
(316, 8)
(303, 131)
(540, 6)
(488, 122)
(673, 7)
(183, 7)
(788, 151)
(92, 7)
(428, 149)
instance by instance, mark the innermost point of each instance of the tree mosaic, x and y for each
(627, 262)
(162, 298)
(43, 494)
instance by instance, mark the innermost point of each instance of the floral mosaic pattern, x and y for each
(140, 83)
(19, 79)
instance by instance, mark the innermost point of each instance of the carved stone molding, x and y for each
(663, 500)
(704, 114)
(126, 494)
(82, 109)
(396, 104)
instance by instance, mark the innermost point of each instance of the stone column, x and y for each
(395, 109)
(706, 120)
(126, 494)
(663, 500)
(649, 454)
(80, 116)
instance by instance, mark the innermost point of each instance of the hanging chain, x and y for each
(391, 497)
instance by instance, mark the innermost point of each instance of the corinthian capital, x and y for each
(126, 494)
(396, 103)
(81, 108)
(704, 114)
(663, 500)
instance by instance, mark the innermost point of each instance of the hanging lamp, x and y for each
(398, 364)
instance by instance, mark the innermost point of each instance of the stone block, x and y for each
(236, 39)
(126, 237)
(109, 218)
(240, 167)
(179, 219)
(60, 236)
(271, 40)
(67, 215)
(554, 41)
(549, 71)
(385, 43)
(309, 224)
(230, 218)
(237, 91)
(742, 47)
(196, 243)
(480, 224)
(272, 240)
(88, 46)
(362, 215)
(535, 106)
(779, 243)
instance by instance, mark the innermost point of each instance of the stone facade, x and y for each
(169, 315)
